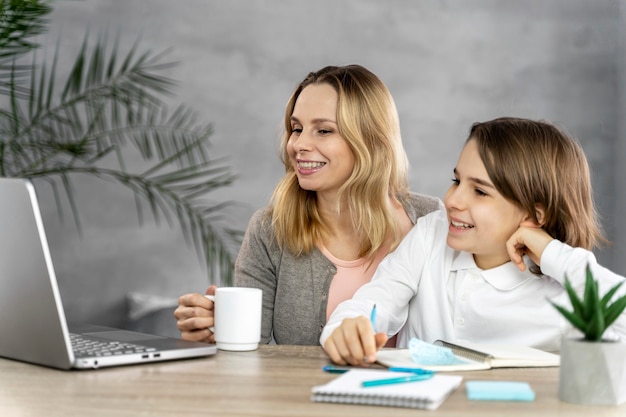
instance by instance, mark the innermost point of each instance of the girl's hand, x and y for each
(529, 241)
(354, 342)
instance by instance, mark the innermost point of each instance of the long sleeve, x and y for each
(560, 260)
(256, 266)
(295, 289)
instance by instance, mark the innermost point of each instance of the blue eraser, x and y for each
(499, 391)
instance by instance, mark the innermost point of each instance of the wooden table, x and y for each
(272, 381)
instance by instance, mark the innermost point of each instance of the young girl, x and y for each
(519, 218)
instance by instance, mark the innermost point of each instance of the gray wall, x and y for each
(447, 63)
(619, 208)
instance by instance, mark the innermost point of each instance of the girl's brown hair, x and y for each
(533, 163)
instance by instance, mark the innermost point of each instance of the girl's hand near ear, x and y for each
(527, 240)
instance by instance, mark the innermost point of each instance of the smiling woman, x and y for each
(331, 220)
(321, 157)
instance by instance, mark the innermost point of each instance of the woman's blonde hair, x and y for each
(368, 121)
(533, 163)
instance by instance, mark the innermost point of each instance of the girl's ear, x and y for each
(540, 212)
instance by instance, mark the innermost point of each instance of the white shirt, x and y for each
(427, 290)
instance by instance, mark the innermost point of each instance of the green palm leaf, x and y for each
(111, 108)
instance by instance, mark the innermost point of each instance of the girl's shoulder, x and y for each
(431, 228)
(436, 219)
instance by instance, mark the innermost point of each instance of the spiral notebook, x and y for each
(347, 388)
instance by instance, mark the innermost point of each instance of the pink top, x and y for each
(350, 276)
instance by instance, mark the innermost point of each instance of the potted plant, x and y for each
(593, 368)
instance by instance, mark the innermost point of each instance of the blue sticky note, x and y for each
(499, 391)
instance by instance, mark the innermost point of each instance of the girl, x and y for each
(519, 218)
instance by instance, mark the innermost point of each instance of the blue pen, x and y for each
(418, 371)
(399, 380)
(373, 318)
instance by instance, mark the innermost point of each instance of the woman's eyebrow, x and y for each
(314, 121)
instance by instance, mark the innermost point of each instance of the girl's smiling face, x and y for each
(480, 219)
(321, 157)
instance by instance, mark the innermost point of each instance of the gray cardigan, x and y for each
(295, 289)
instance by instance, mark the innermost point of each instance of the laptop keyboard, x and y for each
(84, 346)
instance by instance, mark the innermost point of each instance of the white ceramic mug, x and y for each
(237, 315)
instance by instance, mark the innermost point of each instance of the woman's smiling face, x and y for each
(480, 219)
(321, 157)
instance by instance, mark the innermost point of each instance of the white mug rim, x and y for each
(237, 289)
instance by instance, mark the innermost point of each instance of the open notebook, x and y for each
(474, 356)
(33, 327)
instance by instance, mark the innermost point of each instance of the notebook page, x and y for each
(347, 388)
(514, 355)
(402, 358)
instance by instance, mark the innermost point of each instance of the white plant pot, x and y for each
(592, 373)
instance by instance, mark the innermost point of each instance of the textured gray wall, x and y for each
(619, 208)
(447, 63)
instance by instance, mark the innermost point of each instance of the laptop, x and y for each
(33, 327)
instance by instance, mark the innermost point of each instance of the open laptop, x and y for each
(33, 327)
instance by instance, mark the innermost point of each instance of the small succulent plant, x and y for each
(592, 313)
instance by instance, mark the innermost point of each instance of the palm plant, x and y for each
(110, 107)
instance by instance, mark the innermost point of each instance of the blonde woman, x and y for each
(341, 207)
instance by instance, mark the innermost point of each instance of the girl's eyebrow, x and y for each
(477, 180)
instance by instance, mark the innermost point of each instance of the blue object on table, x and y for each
(499, 391)
(418, 371)
(429, 354)
(335, 369)
(398, 380)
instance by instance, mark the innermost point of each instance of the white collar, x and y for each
(505, 277)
